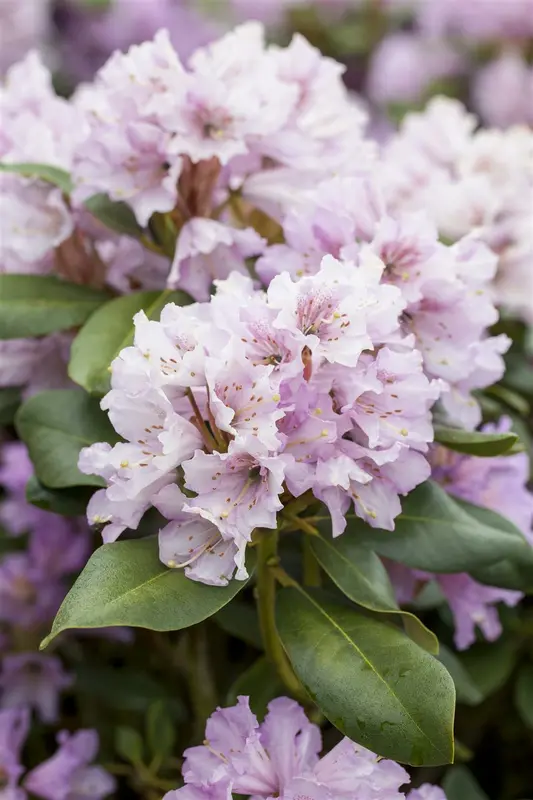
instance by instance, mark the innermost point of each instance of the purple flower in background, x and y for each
(404, 65)
(33, 680)
(68, 775)
(88, 36)
(14, 726)
(502, 91)
(426, 792)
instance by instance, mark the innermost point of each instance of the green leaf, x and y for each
(124, 689)
(44, 172)
(160, 733)
(67, 502)
(129, 745)
(239, 619)
(55, 425)
(466, 690)
(9, 402)
(524, 694)
(35, 305)
(260, 683)
(490, 664)
(125, 583)
(360, 574)
(505, 573)
(116, 216)
(108, 331)
(437, 533)
(370, 680)
(475, 443)
(460, 784)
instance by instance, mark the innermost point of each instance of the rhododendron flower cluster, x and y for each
(67, 774)
(469, 182)
(280, 758)
(232, 407)
(446, 290)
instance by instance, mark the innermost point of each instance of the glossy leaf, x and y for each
(44, 172)
(475, 443)
(35, 305)
(55, 425)
(361, 576)
(260, 683)
(125, 583)
(524, 694)
(116, 216)
(437, 533)
(108, 331)
(369, 679)
(67, 502)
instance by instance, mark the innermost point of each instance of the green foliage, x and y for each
(116, 216)
(108, 331)
(44, 172)
(67, 502)
(160, 734)
(55, 425)
(434, 532)
(129, 744)
(475, 443)
(126, 584)
(359, 573)
(260, 683)
(35, 305)
(524, 694)
(372, 682)
(460, 784)
(9, 402)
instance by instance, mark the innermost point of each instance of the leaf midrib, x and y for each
(372, 667)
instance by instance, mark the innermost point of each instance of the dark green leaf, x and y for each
(370, 680)
(524, 694)
(435, 532)
(55, 425)
(67, 502)
(360, 574)
(160, 733)
(465, 688)
(108, 331)
(475, 443)
(44, 172)
(129, 745)
(490, 664)
(260, 683)
(123, 689)
(114, 215)
(239, 619)
(9, 402)
(126, 584)
(35, 305)
(460, 784)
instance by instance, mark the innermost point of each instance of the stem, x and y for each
(266, 606)
(301, 524)
(209, 439)
(200, 679)
(312, 574)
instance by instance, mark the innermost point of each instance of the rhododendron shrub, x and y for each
(264, 458)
